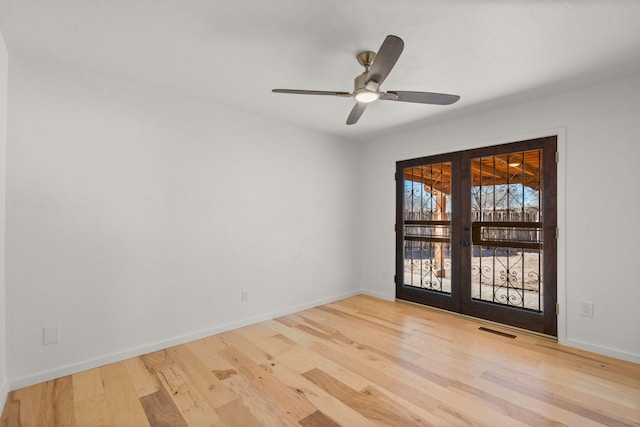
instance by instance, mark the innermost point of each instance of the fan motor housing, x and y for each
(360, 81)
(365, 91)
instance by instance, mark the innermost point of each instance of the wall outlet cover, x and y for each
(586, 309)
(51, 334)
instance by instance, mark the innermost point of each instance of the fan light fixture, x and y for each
(366, 96)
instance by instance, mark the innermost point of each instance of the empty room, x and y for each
(319, 213)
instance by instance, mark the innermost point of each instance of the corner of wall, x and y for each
(4, 393)
(4, 59)
(381, 295)
(603, 350)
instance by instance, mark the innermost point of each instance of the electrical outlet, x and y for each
(586, 309)
(245, 295)
(51, 334)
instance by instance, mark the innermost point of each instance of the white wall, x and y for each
(4, 59)
(135, 218)
(598, 197)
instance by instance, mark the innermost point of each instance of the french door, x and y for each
(476, 233)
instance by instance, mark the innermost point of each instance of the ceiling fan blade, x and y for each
(385, 59)
(311, 92)
(356, 112)
(420, 97)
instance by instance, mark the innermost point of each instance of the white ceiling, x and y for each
(234, 52)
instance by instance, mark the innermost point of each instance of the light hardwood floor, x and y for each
(357, 362)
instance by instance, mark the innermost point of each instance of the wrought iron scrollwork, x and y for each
(508, 276)
(426, 266)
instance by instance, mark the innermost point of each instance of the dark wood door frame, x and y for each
(461, 234)
(446, 302)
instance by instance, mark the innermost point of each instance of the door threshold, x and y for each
(484, 321)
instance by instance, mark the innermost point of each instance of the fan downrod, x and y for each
(366, 58)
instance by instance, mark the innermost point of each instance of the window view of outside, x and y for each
(506, 263)
(427, 220)
(506, 249)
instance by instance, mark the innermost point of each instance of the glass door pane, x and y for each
(427, 227)
(507, 238)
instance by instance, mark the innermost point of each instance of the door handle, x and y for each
(464, 243)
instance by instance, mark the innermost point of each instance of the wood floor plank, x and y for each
(263, 408)
(247, 346)
(414, 389)
(261, 376)
(299, 359)
(451, 416)
(204, 381)
(62, 396)
(161, 411)
(157, 360)
(366, 336)
(89, 401)
(468, 406)
(369, 402)
(303, 360)
(286, 328)
(25, 403)
(192, 405)
(121, 396)
(145, 382)
(46, 412)
(506, 406)
(318, 419)
(54, 400)
(360, 361)
(236, 414)
(608, 396)
(270, 341)
(328, 404)
(357, 321)
(208, 354)
(558, 400)
(551, 412)
(288, 375)
(616, 391)
(11, 413)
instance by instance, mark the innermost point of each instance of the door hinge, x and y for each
(557, 157)
(395, 176)
(557, 309)
(557, 233)
(395, 279)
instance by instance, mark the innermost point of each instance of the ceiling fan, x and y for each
(367, 85)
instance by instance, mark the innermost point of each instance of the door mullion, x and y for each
(399, 228)
(463, 229)
(549, 209)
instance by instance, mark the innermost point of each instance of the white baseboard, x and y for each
(116, 357)
(378, 295)
(605, 351)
